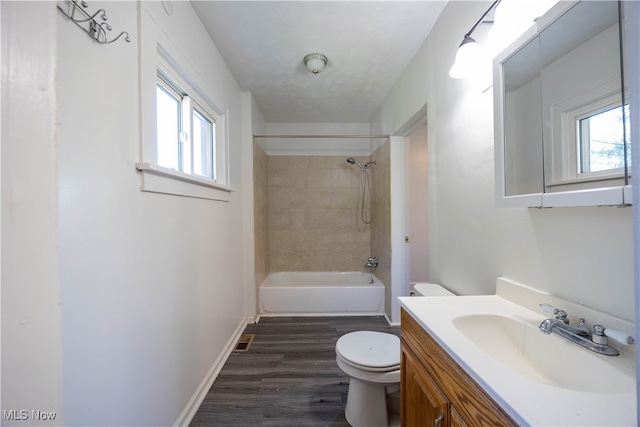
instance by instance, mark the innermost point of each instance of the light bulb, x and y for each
(467, 58)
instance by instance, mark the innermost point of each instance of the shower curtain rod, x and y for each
(321, 136)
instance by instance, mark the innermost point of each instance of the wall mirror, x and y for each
(561, 122)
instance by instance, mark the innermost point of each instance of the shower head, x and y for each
(353, 161)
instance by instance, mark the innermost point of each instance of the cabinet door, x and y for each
(422, 402)
(456, 419)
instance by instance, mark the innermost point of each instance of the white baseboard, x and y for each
(390, 322)
(322, 314)
(196, 400)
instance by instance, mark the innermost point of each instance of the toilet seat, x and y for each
(370, 351)
(368, 368)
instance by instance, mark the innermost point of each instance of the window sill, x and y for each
(158, 179)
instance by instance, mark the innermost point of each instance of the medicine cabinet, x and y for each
(560, 114)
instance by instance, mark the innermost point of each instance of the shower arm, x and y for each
(363, 168)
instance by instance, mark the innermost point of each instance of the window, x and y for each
(184, 144)
(587, 147)
(600, 140)
(168, 121)
(203, 159)
(185, 132)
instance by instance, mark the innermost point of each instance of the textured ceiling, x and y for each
(368, 45)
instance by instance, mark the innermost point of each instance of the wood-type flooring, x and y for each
(288, 377)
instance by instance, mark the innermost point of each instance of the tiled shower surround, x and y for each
(307, 213)
(313, 213)
(260, 207)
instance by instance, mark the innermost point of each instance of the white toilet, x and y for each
(372, 361)
(421, 289)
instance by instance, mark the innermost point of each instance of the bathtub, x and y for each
(321, 293)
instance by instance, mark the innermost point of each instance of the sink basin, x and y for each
(547, 359)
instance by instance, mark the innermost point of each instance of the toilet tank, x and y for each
(430, 290)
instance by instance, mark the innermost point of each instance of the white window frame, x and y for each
(158, 51)
(190, 104)
(564, 144)
(592, 111)
(573, 142)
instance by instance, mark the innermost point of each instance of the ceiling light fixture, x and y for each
(469, 53)
(315, 62)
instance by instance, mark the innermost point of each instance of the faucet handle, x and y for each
(619, 336)
(560, 314)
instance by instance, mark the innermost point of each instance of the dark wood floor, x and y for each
(289, 376)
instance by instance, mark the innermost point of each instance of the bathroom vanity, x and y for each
(435, 390)
(483, 360)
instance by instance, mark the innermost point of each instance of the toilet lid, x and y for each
(370, 349)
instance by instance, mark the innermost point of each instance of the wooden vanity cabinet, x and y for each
(435, 390)
(423, 404)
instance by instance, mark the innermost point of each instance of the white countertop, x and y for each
(527, 401)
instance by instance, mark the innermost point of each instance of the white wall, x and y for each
(582, 254)
(152, 284)
(31, 321)
(407, 97)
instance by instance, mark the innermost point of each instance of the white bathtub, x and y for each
(321, 293)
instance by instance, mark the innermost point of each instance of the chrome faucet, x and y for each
(581, 334)
(372, 262)
(561, 321)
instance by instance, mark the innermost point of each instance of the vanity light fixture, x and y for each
(315, 62)
(468, 54)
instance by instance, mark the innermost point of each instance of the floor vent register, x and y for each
(244, 343)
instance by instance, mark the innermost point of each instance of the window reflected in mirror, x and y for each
(601, 140)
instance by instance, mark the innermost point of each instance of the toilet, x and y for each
(372, 361)
(423, 289)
